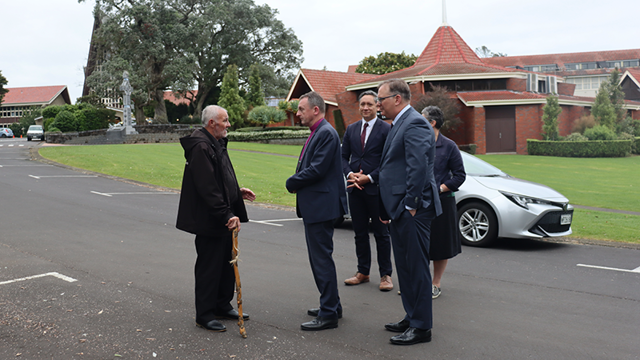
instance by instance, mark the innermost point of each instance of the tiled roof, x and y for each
(446, 54)
(508, 95)
(179, 99)
(635, 74)
(35, 94)
(330, 83)
(561, 59)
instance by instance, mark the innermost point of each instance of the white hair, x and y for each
(210, 112)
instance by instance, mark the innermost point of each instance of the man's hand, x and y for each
(247, 194)
(383, 221)
(358, 180)
(233, 223)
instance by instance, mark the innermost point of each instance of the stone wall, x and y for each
(161, 133)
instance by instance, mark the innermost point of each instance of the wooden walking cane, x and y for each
(234, 260)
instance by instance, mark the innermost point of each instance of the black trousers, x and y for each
(365, 207)
(215, 279)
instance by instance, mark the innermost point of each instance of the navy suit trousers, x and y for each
(410, 239)
(365, 207)
(320, 247)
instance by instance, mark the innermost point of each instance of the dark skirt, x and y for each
(445, 237)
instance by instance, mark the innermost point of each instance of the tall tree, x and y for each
(230, 98)
(225, 32)
(438, 96)
(385, 63)
(616, 95)
(603, 111)
(550, 113)
(255, 96)
(485, 52)
(3, 82)
(147, 36)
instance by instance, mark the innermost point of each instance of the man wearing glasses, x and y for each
(361, 152)
(409, 198)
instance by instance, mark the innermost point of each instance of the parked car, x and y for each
(491, 205)
(6, 132)
(35, 131)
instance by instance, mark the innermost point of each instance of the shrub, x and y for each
(626, 136)
(583, 123)
(268, 135)
(54, 130)
(468, 148)
(551, 111)
(265, 115)
(600, 132)
(636, 145)
(576, 137)
(47, 124)
(52, 111)
(189, 119)
(65, 121)
(598, 148)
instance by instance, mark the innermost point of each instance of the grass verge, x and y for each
(608, 183)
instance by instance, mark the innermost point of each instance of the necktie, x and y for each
(364, 134)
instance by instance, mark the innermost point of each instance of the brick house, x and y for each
(501, 106)
(20, 99)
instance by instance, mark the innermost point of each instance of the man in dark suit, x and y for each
(410, 200)
(320, 199)
(361, 151)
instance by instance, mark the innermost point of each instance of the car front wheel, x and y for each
(478, 224)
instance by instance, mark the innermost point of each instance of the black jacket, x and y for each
(210, 193)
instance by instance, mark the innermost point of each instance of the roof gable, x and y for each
(35, 95)
(326, 83)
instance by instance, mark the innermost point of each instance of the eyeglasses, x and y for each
(379, 100)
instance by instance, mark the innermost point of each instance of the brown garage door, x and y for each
(500, 128)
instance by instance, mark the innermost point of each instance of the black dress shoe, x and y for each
(213, 325)
(316, 311)
(400, 326)
(231, 315)
(412, 336)
(319, 323)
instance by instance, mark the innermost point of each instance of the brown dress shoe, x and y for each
(356, 279)
(385, 283)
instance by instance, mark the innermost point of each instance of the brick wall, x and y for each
(517, 84)
(528, 125)
(348, 103)
(567, 117)
(477, 134)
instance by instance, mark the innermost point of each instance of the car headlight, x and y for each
(524, 201)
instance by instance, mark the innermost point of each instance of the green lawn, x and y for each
(608, 183)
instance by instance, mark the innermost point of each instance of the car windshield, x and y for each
(35, 127)
(477, 167)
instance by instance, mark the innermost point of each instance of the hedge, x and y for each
(268, 135)
(595, 148)
(636, 147)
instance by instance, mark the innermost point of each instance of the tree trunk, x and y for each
(139, 112)
(160, 108)
(203, 93)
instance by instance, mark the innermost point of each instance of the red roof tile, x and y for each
(330, 83)
(34, 94)
(471, 96)
(446, 54)
(561, 59)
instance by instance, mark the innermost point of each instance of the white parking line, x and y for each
(135, 193)
(636, 270)
(62, 176)
(269, 222)
(54, 274)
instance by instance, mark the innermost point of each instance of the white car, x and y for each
(492, 204)
(35, 131)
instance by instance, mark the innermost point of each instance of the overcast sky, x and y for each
(46, 42)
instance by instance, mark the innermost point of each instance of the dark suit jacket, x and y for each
(319, 183)
(406, 169)
(354, 158)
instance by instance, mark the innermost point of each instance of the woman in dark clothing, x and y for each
(449, 174)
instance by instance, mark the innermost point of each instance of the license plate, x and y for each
(565, 219)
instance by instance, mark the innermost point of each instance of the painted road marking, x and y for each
(54, 274)
(62, 176)
(636, 270)
(269, 222)
(134, 193)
